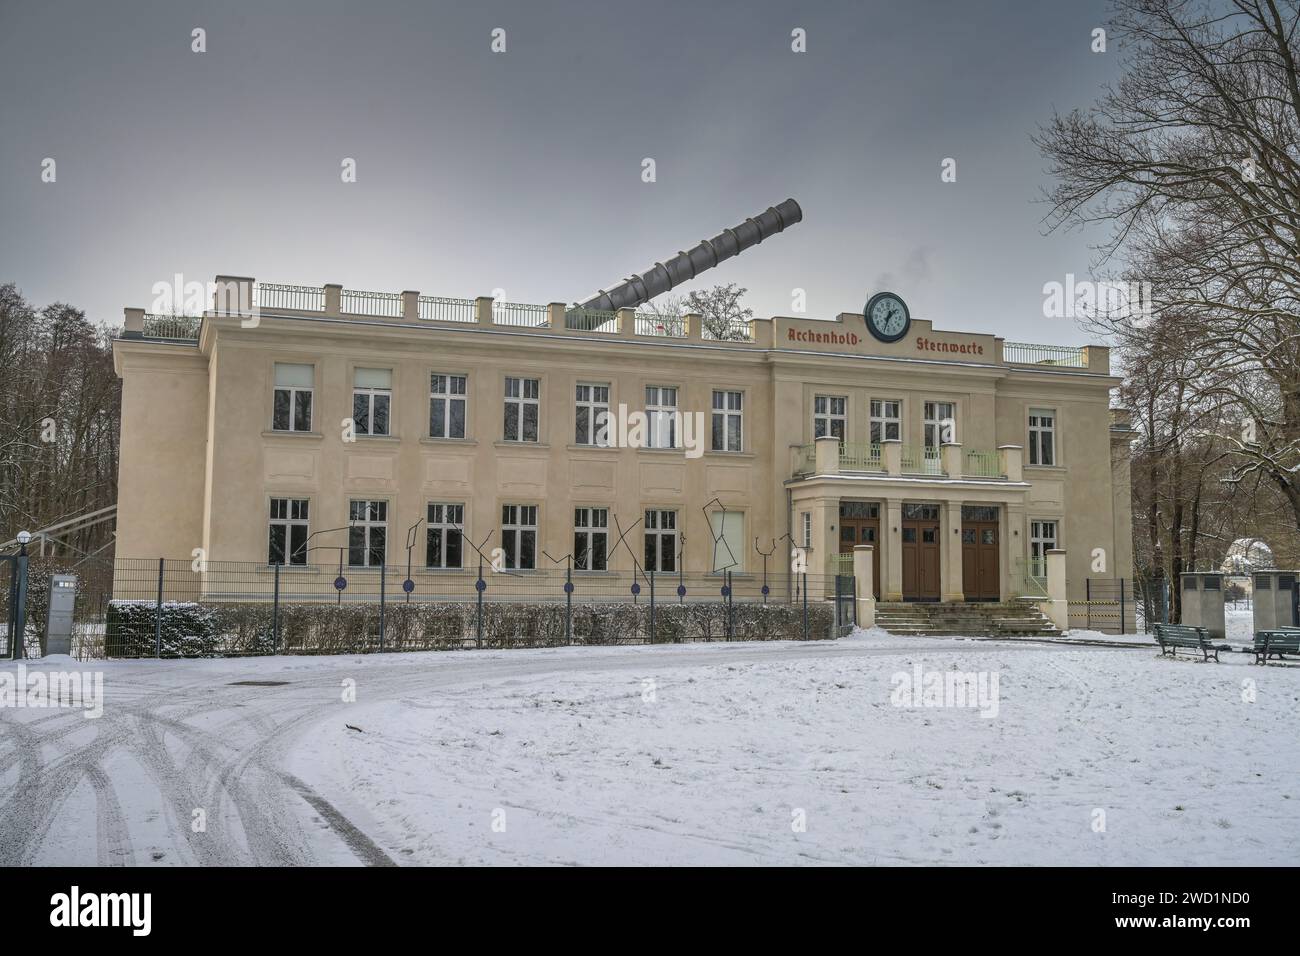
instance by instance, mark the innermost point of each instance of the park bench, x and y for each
(1173, 636)
(1276, 643)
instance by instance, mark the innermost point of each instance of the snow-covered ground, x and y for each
(706, 754)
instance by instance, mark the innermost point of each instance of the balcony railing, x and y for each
(296, 298)
(855, 457)
(925, 460)
(1023, 353)
(726, 330)
(433, 308)
(356, 302)
(521, 314)
(983, 464)
(669, 326)
(182, 327)
(591, 320)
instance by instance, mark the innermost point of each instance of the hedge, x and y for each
(217, 630)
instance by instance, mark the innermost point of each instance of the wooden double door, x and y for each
(860, 524)
(980, 552)
(921, 559)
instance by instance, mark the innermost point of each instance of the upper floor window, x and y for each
(291, 411)
(886, 420)
(367, 533)
(591, 414)
(519, 536)
(940, 424)
(446, 406)
(372, 398)
(590, 538)
(1042, 436)
(444, 535)
(828, 416)
(728, 409)
(661, 413)
(522, 405)
(287, 538)
(661, 540)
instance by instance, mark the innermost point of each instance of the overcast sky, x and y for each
(522, 170)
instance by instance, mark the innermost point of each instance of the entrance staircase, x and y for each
(967, 619)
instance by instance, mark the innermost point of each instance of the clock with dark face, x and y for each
(887, 317)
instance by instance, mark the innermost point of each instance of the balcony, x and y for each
(893, 458)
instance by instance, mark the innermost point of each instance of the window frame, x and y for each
(714, 541)
(591, 532)
(367, 525)
(727, 413)
(597, 414)
(1037, 431)
(514, 527)
(288, 522)
(371, 394)
(521, 402)
(1037, 542)
(293, 391)
(653, 538)
(657, 411)
(829, 417)
(448, 398)
(884, 420)
(444, 526)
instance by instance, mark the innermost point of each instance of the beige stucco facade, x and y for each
(201, 460)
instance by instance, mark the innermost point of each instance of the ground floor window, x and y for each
(1042, 538)
(367, 533)
(590, 538)
(728, 529)
(443, 537)
(288, 531)
(519, 536)
(661, 540)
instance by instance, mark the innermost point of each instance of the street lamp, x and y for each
(23, 538)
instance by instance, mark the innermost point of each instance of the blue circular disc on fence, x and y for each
(480, 585)
(726, 591)
(568, 587)
(636, 588)
(408, 585)
(681, 590)
(340, 583)
(766, 590)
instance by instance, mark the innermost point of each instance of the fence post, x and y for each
(652, 605)
(157, 617)
(275, 614)
(479, 586)
(1121, 605)
(805, 605)
(1087, 598)
(568, 602)
(727, 588)
(383, 589)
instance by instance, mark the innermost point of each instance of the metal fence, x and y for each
(165, 608)
(435, 308)
(1109, 606)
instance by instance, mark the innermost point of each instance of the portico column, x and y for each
(825, 539)
(862, 557)
(953, 588)
(1014, 548)
(891, 536)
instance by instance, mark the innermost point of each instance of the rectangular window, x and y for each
(591, 414)
(940, 428)
(446, 406)
(807, 529)
(444, 535)
(1042, 538)
(522, 408)
(727, 412)
(288, 531)
(372, 399)
(828, 416)
(728, 530)
(886, 420)
(519, 536)
(1042, 436)
(590, 538)
(661, 413)
(291, 408)
(367, 533)
(661, 540)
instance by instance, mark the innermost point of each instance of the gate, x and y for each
(1108, 606)
(846, 604)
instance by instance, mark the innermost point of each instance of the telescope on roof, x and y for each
(685, 266)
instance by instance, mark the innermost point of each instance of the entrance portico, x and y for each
(947, 537)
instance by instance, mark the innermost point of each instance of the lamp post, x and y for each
(20, 597)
